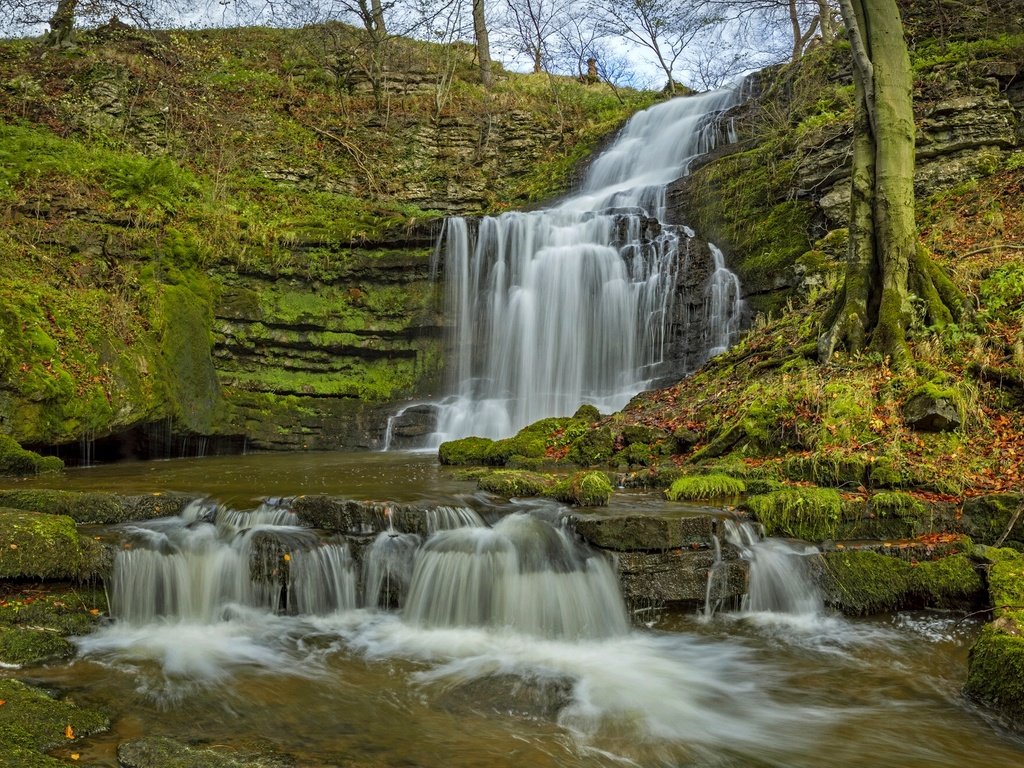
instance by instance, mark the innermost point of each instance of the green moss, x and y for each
(585, 489)
(587, 413)
(946, 583)
(80, 507)
(54, 607)
(828, 468)
(15, 460)
(516, 483)
(32, 721)
(594, 447)
(468, 450)
(22, 646)
(812, 514)
(41, 546)
(863, 582)
(701, 487)
(995, 672)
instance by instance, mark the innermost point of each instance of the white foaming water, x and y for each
(190, 569)
(574, 304)
(779, 581)
(523, 574)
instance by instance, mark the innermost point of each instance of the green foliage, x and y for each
(584, 489)
(1001, 294)
(812, 514)
(702, 487)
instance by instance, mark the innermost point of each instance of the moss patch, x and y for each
(22, 646)
(42, 547)
(812, 514)
(468, 450)
(15, 460)
(32, 722)
(512, 483)
(698, 487)
(585, 489)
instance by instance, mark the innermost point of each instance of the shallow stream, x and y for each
(368, 688)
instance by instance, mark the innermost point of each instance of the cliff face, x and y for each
(216, 239)
(778, 202)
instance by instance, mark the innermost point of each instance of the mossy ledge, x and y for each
(32, 723)
(581, 489)
(995, 675)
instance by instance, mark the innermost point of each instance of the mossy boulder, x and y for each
(15, 460)
(512, 483)
(468, 450)
(55, 607)
(596, 446)
(96, 507)
(862, 582)
(703, 487)
(40, 546)
(986, 518)
(933, 409)
(995, 675)
(812, 514)
(587, 413)
(584, 489)
(22, 646)
(32, 723)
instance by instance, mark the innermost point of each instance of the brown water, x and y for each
(363, 688)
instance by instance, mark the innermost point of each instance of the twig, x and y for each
(1009, 527)
(995, 247)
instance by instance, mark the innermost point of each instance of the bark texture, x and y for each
(483, 44)
(885, 262)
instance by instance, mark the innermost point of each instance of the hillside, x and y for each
(226, 234)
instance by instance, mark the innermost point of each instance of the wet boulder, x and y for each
(932, 411)
(44, 546)
(629, 533)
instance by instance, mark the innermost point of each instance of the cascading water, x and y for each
(778, 578)
(574, 304)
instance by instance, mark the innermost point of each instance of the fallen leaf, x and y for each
(69, 732)
(75, 755)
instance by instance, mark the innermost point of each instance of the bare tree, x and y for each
(483, 42)
(532, 25)
(63, 16)
(664, 27)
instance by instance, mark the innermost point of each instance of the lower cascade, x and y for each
(506, 622)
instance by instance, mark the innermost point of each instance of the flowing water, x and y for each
(507, 645)
(573, 304)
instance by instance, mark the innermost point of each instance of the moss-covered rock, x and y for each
(32, 722)
(58, 608)
(22, 646)
(468, 450)
(812, 514)
(596, 446)
(995, 676)
(584, 489)
(96, 507)
(15, 460)
(512, 483)
(835, 470)
(861, 582)
(702, 487)
(587, 413)
(40, 546)
(986, 518)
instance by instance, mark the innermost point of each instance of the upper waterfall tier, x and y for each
(583, 302)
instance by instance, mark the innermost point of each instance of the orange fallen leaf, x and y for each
(287, 557)
(94, 611)
(69, 732)
(75, 755)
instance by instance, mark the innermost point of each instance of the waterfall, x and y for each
(779, 580)
(194, 567)
(576, 303)
(524, 573)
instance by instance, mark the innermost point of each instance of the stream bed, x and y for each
(370, 687)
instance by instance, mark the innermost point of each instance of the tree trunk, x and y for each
(825, 19)
(884, 261)
(483, 45)
(62, 23)
(377, 9)
(794, 23)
